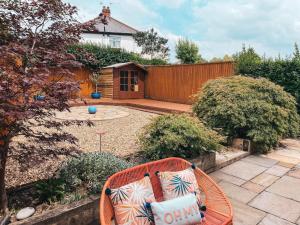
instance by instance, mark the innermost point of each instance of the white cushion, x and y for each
(178, 211)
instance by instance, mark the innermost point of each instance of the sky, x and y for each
(219, 27)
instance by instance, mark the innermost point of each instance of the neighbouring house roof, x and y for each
(119, 65)
(114, 26)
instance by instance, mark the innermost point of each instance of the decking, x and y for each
(144, 104)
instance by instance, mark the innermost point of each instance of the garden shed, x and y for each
(123, 81)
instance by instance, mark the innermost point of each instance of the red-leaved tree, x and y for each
(34, 36)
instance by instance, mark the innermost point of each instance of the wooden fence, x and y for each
(177, 83)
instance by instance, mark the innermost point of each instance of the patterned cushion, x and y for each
(178, 211)
(180, 183)
(129, 203)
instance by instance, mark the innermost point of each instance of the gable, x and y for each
(113, 26)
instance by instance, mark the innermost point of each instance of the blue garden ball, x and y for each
(92, 109)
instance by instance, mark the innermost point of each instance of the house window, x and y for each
(124, 81)
(115, 42)
(134, 81)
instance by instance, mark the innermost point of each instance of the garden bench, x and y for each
(219, 209)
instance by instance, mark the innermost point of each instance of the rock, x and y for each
(25, 213)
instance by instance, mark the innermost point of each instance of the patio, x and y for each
(264, 190)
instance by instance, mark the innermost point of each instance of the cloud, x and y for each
(271, 26)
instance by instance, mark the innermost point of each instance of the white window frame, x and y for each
(115, 41)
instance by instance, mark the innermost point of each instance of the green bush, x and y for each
(105, 56)
(282, 71)
(177, 135)
(244, 107)
(50, 190)
(90, 171)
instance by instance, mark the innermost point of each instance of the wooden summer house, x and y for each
(123, 81)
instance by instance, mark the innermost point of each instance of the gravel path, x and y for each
(120, 139)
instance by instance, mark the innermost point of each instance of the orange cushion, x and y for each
(129, 202)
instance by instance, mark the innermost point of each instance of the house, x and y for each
(123, 81)
(109, 31)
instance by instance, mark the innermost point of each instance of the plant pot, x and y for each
(206, 161)
(96, 95)
(92, 109)
(39, 97)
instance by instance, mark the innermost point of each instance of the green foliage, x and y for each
(177, 135)
(187, 52)
(296, 54)
(50, 190)
(245, 107)
(90, 171)
(152, 44)
(246, 61)
(285, 72)
(106, 56)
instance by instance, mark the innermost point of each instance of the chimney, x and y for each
(106, 11)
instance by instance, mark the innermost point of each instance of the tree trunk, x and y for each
(4, 141)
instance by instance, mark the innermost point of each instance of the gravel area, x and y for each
(120, 138)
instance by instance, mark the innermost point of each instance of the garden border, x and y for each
(86, 211)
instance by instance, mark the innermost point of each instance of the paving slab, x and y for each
(236, 192)
(260, 160)
(283, 158)
(277, 170)
(274, 220)
(295, 173)
(289, 152)
(265, 179)
(253, 187)
(245, 215)
(288, 187)
(243, 170)
(219, 175)
(277, 205)
(284, 164)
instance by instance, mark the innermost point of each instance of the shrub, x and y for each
(244, 107)
(90, 170)
(282, 71)
(105, 56)
(177, 135)
(51, 190)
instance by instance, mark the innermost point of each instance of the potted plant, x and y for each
(39, 96)
(94, 78)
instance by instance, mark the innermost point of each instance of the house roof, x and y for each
(114, 26)
(119, 65)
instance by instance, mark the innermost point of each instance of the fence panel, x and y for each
(177, 83)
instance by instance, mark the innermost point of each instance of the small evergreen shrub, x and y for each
(245, 107)
(177, 135)
(90, 171)
(50, 190)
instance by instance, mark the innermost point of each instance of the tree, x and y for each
(152, 44)
(246, 60)
(34, 60)
(187, 52)
(296, 54)
(227, 58)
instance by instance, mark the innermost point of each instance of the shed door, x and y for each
(130, 84)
